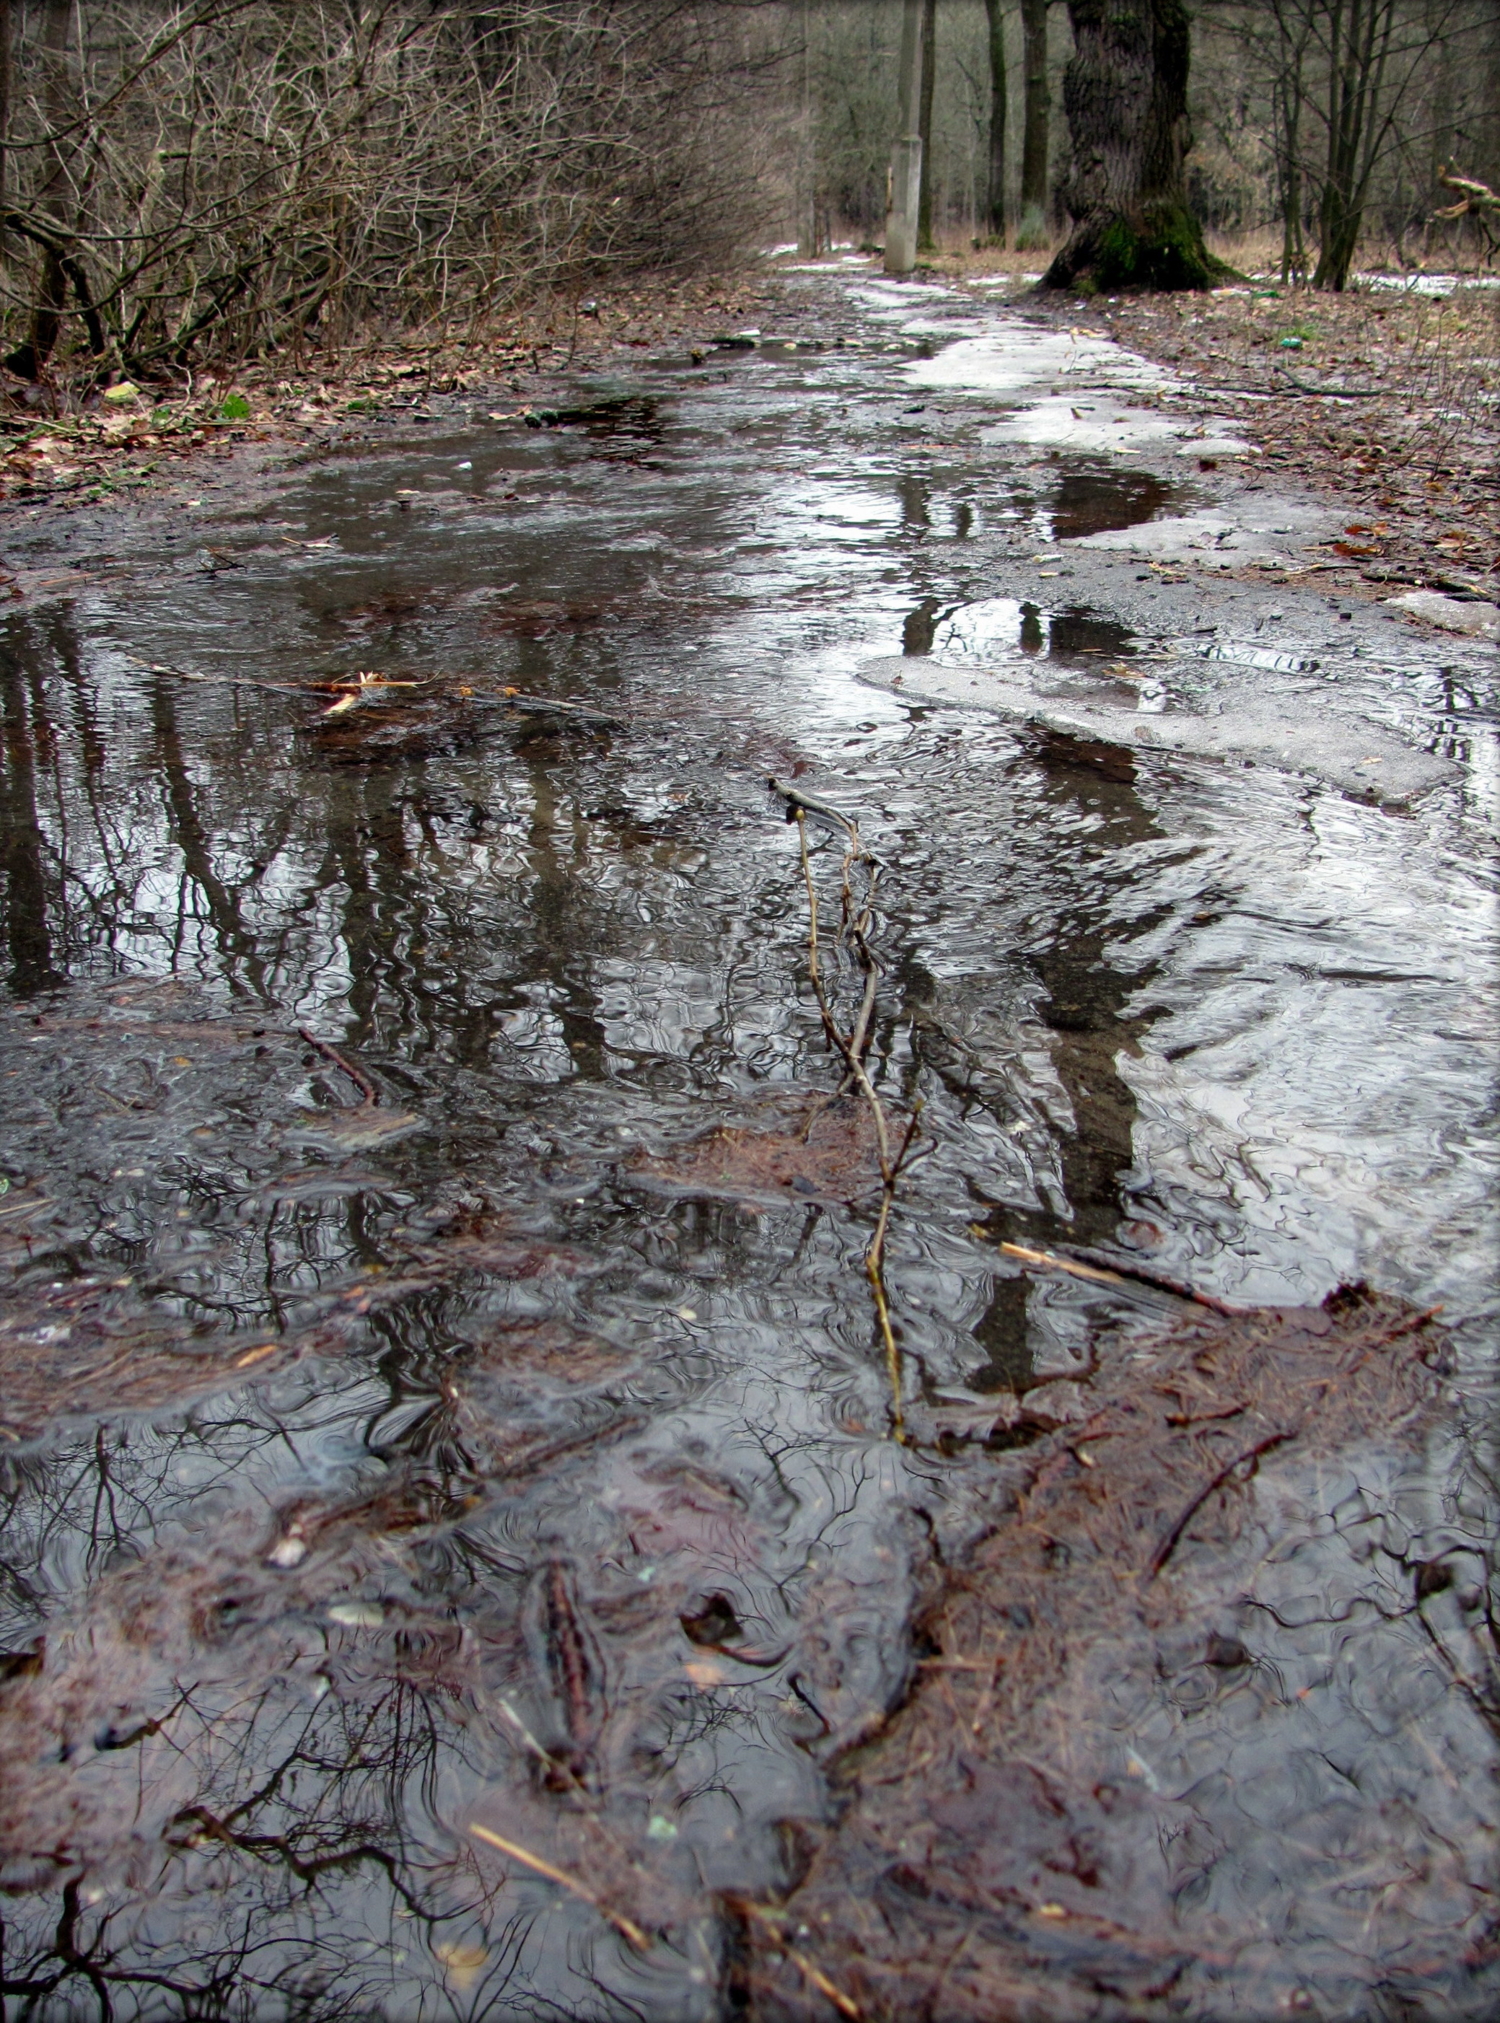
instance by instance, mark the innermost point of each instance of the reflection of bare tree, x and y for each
(287, 1754)
(1086, 991)
(26, 886)
(565, 935)
(188, 832)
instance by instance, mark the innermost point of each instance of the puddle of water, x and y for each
(1103, 501)
(1239, 654)
(504, 1449)
(1006, 627)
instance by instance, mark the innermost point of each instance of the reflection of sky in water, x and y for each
(1224, 1005)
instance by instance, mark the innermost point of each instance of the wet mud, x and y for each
(457, 1555)
(1119, 1721)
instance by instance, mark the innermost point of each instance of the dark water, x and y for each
(553, 1497)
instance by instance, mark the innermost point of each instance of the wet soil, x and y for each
(72, 442)
(456, 1557)
(1119, 1715)
(1406, 442)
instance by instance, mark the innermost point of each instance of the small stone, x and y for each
(357, 1615)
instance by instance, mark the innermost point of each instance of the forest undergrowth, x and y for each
(69, 445)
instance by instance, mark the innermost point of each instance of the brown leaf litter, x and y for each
(1007, 1849)
(827, 1153)
(379, 719)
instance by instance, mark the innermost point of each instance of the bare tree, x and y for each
(995, 25)
(1035, 125)
(248, 173)
(5, 33)
(1363, 100)
(1359, 35)
(929, 81)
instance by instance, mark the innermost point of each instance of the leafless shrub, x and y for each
(250, 174)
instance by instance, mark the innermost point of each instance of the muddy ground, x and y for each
(458, 1558)
(83, 439)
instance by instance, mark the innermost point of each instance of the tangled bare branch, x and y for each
(248, 175)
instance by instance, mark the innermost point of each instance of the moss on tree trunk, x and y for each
(1125, 95)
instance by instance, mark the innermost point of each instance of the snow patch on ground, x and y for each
(1067, 388)
(1450, 614)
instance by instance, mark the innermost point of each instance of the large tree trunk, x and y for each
(1035, 120)
(1125, 95)
(996, 204)
(4, 120)
(929, 69)
(29, 360)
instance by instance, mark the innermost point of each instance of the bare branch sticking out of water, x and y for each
(356, 1075)
(1104, 1269)
(856, 916)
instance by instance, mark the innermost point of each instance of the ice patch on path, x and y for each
(1245, 530)
(1079, 423)
(1450, 614)
(1278, 727)
(1016, 357)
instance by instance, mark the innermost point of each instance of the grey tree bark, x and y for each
(1035, 125)
(929, 77)
(1125, 95)
(996, 24)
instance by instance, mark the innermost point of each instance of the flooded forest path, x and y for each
(457, 1561)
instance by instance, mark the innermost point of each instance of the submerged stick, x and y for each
(856, 918)
(770, 1923)
(626, 1927)
(356, 1075)
(1109, 1271)
(1250, 1458)
(1027, 1255)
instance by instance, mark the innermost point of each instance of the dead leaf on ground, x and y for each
(1008, 1835)
(830, 1155)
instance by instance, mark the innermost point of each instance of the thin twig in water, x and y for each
(770, 1923)
(1149, 1275)
(1251, 1456)
(356, 1075)
(626, 1927)
(855, 921)
(1109, 1271)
